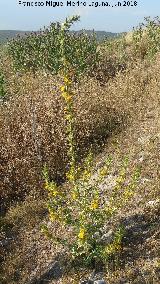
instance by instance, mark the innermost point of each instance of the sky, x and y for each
(15, 16)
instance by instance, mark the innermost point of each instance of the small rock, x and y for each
(108, 237)
(123, 281)
(145, 180)
(141, 159)
(99, 282)
(153, 203)
(6, 242)
(87, 282)
(96, 236)
(54, 270)
(109, 182)
(96, 276)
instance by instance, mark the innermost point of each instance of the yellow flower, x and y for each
(68, 117)
(110, 249)
(86, 174)
(74, 195)
(52, 188)
(128, 193)
(68, 99)
(118, 247)
(110, 210)
(81, 234)
(46, 185)
(70, 176)
(67, 81)
(53, 216)
(66, 96)
(120, 179)
(103, 172)
(62, 88)
(54, 192)
(94, 204)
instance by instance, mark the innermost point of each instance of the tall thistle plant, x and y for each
(81, 211)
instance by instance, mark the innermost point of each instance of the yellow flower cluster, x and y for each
(86, 174)
(103, 172)
(70, 176)
(120, 180)
(112, 248)
(68, 117)
(52, 215)
(74, 195)
(67, 81)
(67, 96)
(51, 187)
(94, 204)
(128, 193)
(82, 233)
(63, 88)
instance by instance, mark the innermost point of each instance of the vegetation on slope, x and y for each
(6, 35)
(116, 114)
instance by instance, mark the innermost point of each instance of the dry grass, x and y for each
(120, 117)
(33, 128)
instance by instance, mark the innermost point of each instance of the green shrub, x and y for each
(42, 50)
(146, 38)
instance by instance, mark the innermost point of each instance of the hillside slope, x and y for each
(135, 94)
(6, 35)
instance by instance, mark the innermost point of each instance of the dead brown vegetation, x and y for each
(124, 112)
